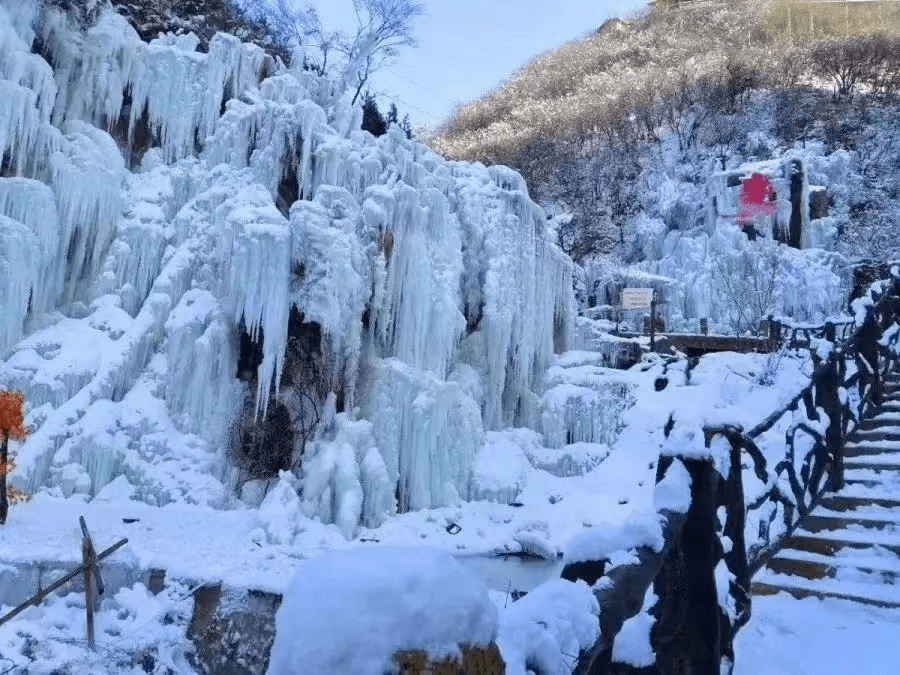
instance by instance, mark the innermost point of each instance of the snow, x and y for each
(673, 492)
(600, 542)
(830, 633)
(370, 604)
(548, 628)
(632, 642)
(128, 625)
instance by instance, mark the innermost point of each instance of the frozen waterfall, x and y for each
(155, 201)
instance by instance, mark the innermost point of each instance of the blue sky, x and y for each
(467, 47)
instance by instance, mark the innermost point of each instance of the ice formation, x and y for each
(701, 262)
(156, 201)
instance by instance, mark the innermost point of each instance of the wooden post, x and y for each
(827, 397)
(732, 497)
(4, 464)
(653, 322)
(687, 634)
(87, 560)
(95, 564)
(867, 348)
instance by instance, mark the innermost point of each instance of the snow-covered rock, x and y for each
(351, 612)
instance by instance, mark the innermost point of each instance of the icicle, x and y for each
(257, 253)
(23, 134)
(19, 267)
(31, 203)
(87, 177)
(428, 431)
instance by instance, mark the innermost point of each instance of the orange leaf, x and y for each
(11, 420)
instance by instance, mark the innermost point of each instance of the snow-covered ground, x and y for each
(817, 637)
(262, 548)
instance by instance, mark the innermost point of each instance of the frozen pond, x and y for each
(502, 573)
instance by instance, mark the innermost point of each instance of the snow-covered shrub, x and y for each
(546, 630)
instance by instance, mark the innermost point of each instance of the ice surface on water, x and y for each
(439, 295)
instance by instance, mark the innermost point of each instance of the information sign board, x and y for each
(636, 298)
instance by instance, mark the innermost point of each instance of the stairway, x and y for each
(849, 545)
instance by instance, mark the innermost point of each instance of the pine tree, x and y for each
(373, 122)
(406, 126)
(392, 116)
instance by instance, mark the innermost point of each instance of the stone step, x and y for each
(883, 460)
(830, 523)
(880, 421)
(864, 482)
(799, 591)
(878, 479)
(868, 448)
(870, 558)
(850, 503)
(887, 435)
(887, 473)
(813, 569)
(829, 546)
(875, 514)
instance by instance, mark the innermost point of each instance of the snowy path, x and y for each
(817, 637)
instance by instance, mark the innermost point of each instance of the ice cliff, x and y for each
(166, 214)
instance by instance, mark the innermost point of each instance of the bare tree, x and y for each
(383, 27)
(746, 282)
(846, 62)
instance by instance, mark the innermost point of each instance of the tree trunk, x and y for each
(4, 458)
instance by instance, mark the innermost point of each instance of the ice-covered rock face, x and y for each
(229, 193)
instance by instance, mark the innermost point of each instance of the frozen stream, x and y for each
(500, 573)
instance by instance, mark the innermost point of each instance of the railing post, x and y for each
(867, 348)
(687, 634)
(828, 397)
(731, 495)
(773, 334)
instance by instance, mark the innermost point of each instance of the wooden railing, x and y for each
(695, 618)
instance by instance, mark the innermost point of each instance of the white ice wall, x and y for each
(439, 292)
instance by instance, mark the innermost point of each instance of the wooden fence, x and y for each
(694, 629)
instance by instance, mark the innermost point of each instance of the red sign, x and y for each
(757, 198)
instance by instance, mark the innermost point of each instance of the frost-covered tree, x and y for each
(746, 282)
(846, 62)
(383, 27)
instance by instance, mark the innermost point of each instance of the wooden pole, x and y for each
(4, 463)
(95, 564)
(87, 562)
(653, 321)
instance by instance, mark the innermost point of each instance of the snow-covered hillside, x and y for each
(195, 243)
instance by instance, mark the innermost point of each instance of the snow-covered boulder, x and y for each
(547, 629)
(352, 612)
